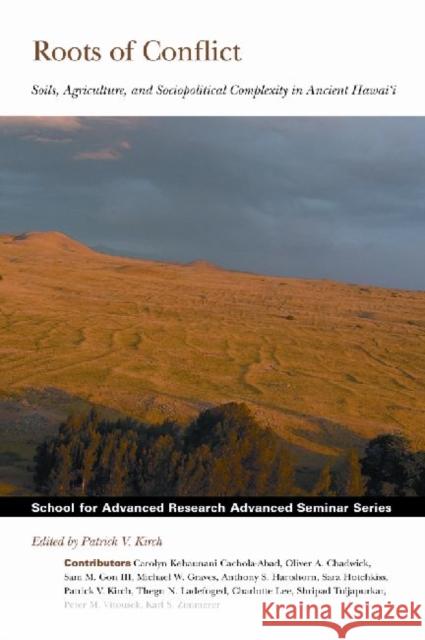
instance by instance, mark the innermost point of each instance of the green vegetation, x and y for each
(223, 452)
(392, 468)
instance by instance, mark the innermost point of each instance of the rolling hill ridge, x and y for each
(326, 364)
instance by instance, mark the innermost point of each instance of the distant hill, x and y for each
(45, 240)
(326, 364)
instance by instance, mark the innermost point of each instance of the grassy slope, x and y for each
(326, 364)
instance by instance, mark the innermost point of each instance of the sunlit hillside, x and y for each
(326, 364)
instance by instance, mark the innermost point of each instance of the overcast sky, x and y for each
(340, 198)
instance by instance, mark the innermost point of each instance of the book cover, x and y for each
(212, 319)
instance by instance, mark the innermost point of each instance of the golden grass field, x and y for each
(326, 364)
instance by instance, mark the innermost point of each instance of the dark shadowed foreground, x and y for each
(224, 452)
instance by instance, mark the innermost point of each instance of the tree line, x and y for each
(223, 452)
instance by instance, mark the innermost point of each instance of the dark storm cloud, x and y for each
(338, 198)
